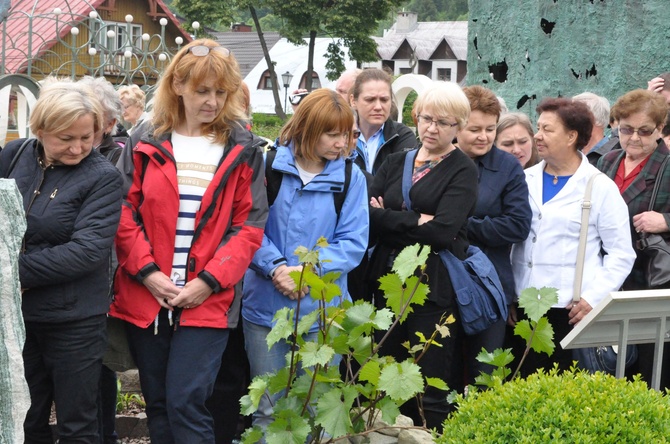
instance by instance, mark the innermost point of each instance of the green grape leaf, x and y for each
(361, 348)
(543, 341)
(313, 353)
(331, 291)
(306, 322)
(331, 276)
(309, 278)
(409, 259)
(333, 411)
(283, 327)
(249, 402)
(389, 409)
(288, 429)
(322, 242)
(499, 357)
(437, 383)
(278, 381)
(393, 290)
(306, 256)
(252, 435)
(536, 303)
(370, 372)
(401, 381)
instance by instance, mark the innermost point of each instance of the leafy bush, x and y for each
(266, 125)
(319, 404)
(572, 407)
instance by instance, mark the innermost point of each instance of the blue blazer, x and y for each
(502, 215)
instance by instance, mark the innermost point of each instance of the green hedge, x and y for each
(574, 407)
(266, 125)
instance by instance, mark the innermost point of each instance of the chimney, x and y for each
(406, 22)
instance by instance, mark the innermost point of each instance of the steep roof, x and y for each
(20, 44)
(246, 47)
(425, 38)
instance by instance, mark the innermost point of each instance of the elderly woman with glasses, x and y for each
(443, 196)
(193, 219)
(548, 257)
(635, 168)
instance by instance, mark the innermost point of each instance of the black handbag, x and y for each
(654, 247)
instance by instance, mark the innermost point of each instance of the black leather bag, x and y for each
(655, 248)
(657, 260)
(602, 359)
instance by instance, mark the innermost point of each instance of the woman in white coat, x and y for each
(556, 192)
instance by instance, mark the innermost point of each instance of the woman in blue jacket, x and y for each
(311, 161)
(502, 214)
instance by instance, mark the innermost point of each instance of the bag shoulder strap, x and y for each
(272, 178)
(657, 185)
(407, 172)
(15, 159)
(583, 232)
(340, 196)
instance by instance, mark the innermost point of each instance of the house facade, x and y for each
(438, 50)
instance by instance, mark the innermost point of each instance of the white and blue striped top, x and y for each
(197, 159)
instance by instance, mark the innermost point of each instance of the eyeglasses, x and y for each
(441, 124)
(297, 98)
(202, 50)
(641, 132)
(356, 134)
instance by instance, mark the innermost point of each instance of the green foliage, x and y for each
(571, 407)
(266, 125)
(127, 400)
(318, 400)
(537, 332)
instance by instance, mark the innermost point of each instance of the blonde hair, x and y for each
(134, 94)
(189, 70)
(63, 102)
(445, 99)
(322, 111)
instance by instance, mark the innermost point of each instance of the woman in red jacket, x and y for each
(193, 219)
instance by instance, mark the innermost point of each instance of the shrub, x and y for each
(572, 407)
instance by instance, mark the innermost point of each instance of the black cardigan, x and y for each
(449, 192)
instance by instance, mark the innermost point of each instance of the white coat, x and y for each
(548, 257)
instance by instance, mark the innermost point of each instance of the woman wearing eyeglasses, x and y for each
(635, 168)
(193, 219)
(443, 196)
(502, 214)
(548, 257)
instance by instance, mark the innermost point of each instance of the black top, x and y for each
(449, 192)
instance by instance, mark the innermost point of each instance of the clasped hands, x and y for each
(169, 295)
(285, 284)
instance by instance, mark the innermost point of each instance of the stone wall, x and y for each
(14, 397)
(525, 51)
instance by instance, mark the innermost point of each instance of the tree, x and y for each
(208, 13)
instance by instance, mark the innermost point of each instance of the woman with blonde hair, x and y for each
(133, 103)
(193, 219)
(443, 195)
(311, 165)
(72, 199)
(514, 134)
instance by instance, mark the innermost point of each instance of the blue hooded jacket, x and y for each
(299, 216)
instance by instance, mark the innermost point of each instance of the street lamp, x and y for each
(286, 78)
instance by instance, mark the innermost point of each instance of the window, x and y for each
(267, 83)
(121, 41)
(444, 74)
(405, 70)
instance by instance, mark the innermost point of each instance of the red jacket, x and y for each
(228, 231)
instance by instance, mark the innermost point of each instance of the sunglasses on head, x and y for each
(297, 98)
(202, 50)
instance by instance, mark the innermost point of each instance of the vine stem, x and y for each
(525, 352)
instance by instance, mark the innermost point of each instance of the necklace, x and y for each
(555, 180)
